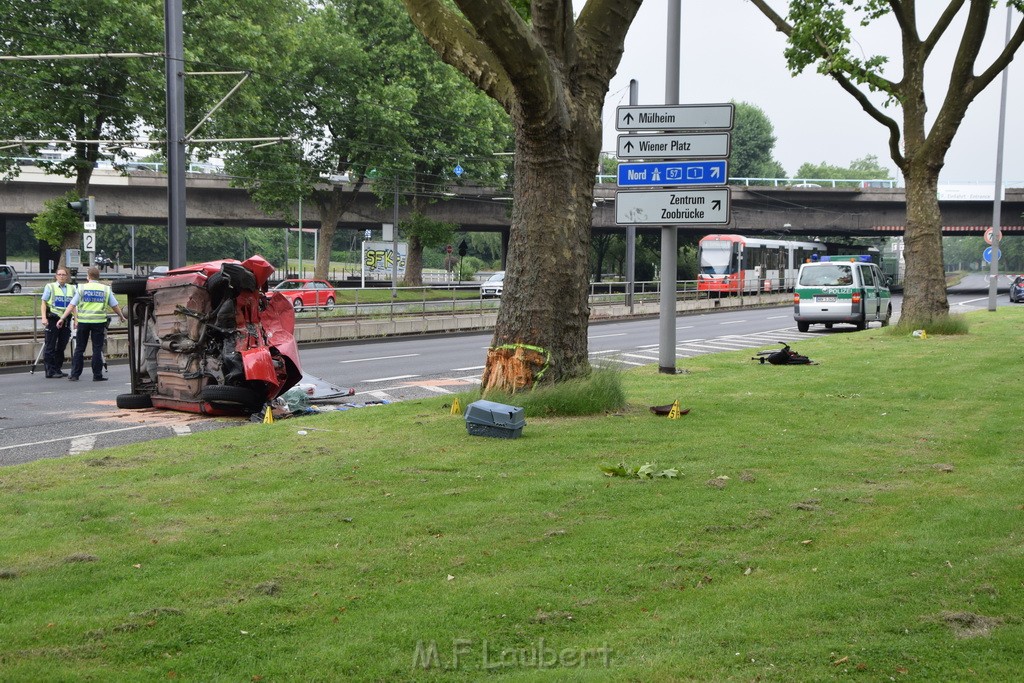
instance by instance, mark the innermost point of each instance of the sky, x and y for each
(730, 51)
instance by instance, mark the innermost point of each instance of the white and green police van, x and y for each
(851, 290)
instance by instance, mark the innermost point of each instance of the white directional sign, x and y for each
(89, 241)
(693, 146)
(675, 117)
(673, 207)
(89, 225)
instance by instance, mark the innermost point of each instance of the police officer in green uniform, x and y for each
(91, 301)
(56, 297)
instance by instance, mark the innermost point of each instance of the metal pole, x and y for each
(301, 275)
(669, 233)
(997, 205)
(287, 254)
(634, 94)
(394, 246)
(133, 248)
(175, 73)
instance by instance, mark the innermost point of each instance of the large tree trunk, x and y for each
(333, 204)
(537, 337)
(414, 263)
(924, 296)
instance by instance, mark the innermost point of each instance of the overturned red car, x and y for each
(208, 339)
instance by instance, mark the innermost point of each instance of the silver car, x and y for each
(9, 279)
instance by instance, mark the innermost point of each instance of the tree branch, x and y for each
(941, 25)
(457, 43)
(874, 112)
(780, 24)
(516, 46)
(601, 33)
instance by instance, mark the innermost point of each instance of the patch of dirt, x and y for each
(80, 557)
(8, 574)
(810, 505)
(542, 617)
(969, 624)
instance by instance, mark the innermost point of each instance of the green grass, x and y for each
(17, 305)
(857, 518)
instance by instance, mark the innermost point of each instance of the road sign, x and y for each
(672, 207)
(665, 173)
(678, 146)
(675, 117)
(987, 255)
(89, 242)
(88, 225)
(988, 235)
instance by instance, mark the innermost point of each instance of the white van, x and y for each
(846, 291)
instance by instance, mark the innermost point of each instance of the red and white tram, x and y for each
(735, 264)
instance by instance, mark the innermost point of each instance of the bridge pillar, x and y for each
(4, 221)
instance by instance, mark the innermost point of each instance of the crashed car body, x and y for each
(208, 339)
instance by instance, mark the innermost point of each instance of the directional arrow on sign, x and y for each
(674, 146)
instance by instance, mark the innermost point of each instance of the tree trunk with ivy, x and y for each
(332, 203)
(551, 74)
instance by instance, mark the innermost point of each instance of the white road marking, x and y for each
(82, 444)
(389, 379)
(65, 438)
(472, 367)
(733, 322)
(436, 390)
(181, 430)
(684, 327)
(594, 353)
(599, 336)
(363, 360)
(379, 395)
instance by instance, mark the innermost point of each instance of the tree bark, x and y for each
(924, 294)
(333, 204)
(544, 304)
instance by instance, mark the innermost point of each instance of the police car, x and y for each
(849, 290)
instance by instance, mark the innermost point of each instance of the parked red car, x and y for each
(207, 339)
(307, 293)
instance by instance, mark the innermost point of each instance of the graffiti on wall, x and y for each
(378, 258)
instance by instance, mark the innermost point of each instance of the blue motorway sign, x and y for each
(669, 173)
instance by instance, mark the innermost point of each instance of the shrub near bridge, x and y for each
(861, 517)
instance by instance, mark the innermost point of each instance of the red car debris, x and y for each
(208, 339)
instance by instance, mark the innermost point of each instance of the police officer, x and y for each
(91, 301)
(56, 297)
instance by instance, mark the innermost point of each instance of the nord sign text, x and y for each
(666, 173)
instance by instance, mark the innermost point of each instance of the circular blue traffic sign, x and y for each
(987, 255)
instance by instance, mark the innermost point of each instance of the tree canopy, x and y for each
(753, 144)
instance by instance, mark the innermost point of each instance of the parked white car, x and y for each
(493, 285)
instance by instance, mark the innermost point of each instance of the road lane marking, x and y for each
(65, 438)
(389, 379)
(472, 367)
(363, 360)
(733, 322)
(599, 336)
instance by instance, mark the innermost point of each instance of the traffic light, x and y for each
(463, 248)
(85, 207)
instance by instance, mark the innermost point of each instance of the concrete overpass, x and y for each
(141, 198)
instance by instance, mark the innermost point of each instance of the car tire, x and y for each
(888, 317)
(803, 326)
(134, 401)
(828, 326)
(329, 305)
(16, 289)
(131, 287)
(862, 324)
(225, 395)
(297, 305)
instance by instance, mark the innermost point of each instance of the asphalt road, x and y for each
(51, 418)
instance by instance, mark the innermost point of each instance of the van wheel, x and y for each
(888, 317)
(828, 326)
(862, 324)
(803, 326)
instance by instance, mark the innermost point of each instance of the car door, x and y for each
(872, 297)
(6, 278)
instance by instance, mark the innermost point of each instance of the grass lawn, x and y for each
(860, 518)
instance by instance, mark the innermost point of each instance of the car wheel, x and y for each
(134, 401)
(132, 286)
(297, 305)
(862, 324)
(233, 398)
(15, 289)
(888, 317)
(329, 305)
(828, 326)
(803, 326)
